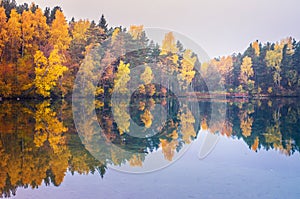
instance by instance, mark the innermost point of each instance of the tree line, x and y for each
(41, 54)
(263, 69)
(39, 51)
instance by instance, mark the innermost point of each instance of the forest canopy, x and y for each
(41, 53)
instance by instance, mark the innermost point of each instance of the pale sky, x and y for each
(220, 27)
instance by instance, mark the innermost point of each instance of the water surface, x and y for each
(43, 155)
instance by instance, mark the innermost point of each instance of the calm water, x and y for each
(150, 148)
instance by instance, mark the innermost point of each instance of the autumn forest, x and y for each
(40, 55)
(46, 60)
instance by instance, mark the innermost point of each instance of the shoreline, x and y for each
(198, 95)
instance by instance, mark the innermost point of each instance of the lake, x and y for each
(150, 148)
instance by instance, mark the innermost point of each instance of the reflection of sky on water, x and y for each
(232, 170)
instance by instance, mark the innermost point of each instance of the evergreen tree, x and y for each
(8, 6)
(52, 14)
(95, 34)
(47, 12)
(103, 24)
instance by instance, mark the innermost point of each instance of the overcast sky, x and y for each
(220, 27)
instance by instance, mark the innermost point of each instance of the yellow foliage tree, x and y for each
(255, 145)
(273, 136)
(227, 129)
(3, 33)
(246, 71)
(41, 28)
(47, 71)
(28, 31)
(273, 59)
(168, 45)
(122, 78)
(204, 69)
(80, 29)
(187, 71)
(187, 125)
(59, 164)
(224, 66)
(122, 117)
(14, 34)
(289, 42)
(48, 128)
(204, 125)
(114, 35)
(136, 161)
(136, 31)
(142, 89)
(246, 126)
(147, 76)
(34, 31)
(150, 89)
(168, 148)
(146, 118)
(3, 165)
(59, 33)
(255, 46)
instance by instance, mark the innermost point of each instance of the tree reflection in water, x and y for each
(39, 142)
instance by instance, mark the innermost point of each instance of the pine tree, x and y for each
(95, 34)
(52, 14)
(103, 24)
(8, 6)
(47, 12)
